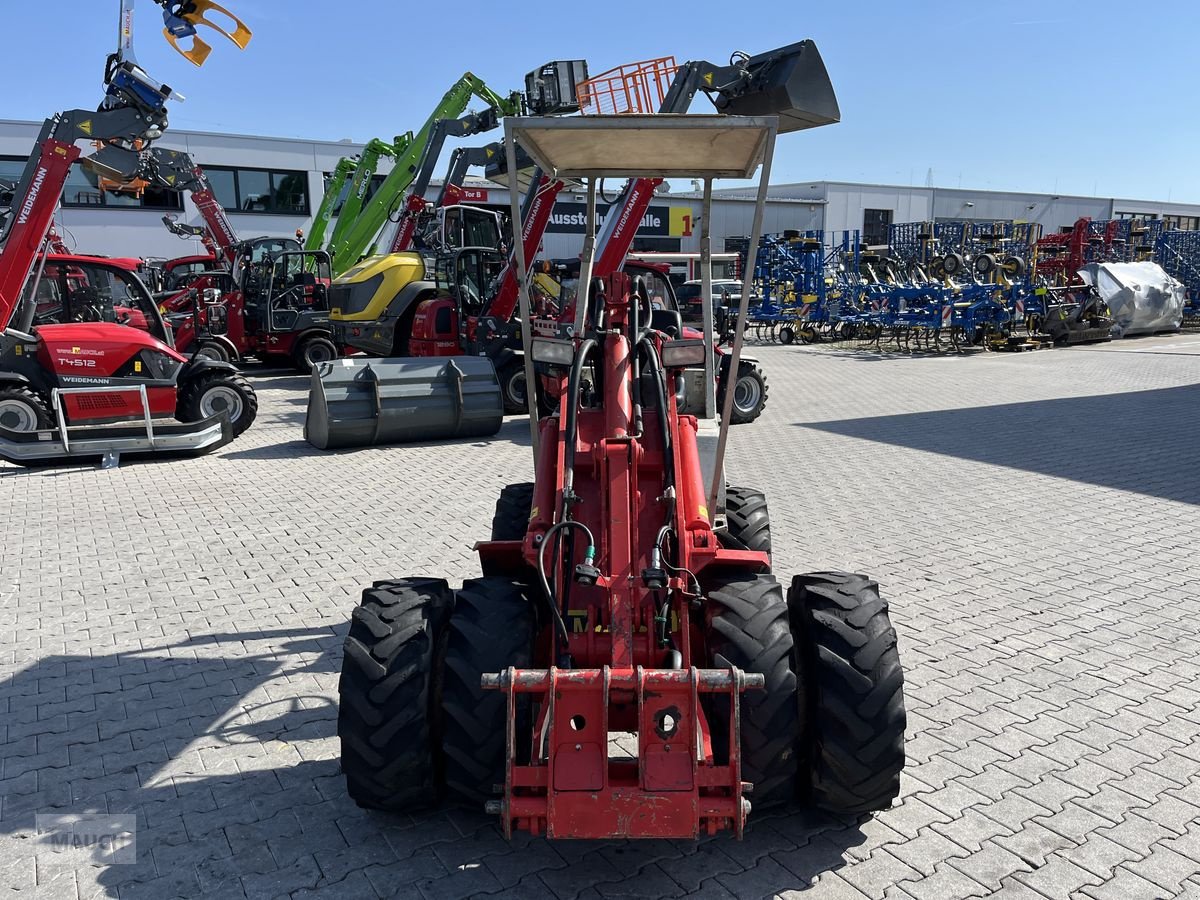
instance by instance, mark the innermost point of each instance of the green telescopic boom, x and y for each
(352, 240)
(360, 182)
(338, 183)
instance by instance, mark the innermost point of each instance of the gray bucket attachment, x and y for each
(363, 402)
(791, 83)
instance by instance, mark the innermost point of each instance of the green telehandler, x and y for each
(362, 218)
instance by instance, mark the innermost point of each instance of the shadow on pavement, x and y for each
(238, 798)
(1137, 441)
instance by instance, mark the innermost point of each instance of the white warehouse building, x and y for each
(273, 186)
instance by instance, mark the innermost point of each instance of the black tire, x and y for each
(389, 703)
(512, 387)
(314, 350)
(513, 508)
(748, 629)
(749, 395)
(22, 409)
(492, 628)
(1014, 266)
(855, 691)
(210, 392)
(787, 334)
(214, 350)
(748, 522)
(984, 264)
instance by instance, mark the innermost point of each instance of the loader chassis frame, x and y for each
(676, 787)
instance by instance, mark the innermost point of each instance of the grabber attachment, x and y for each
(181, 17)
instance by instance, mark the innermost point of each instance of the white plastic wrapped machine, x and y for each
(1142, 298)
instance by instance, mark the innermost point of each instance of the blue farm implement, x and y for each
(1178, 252)
(807, 285)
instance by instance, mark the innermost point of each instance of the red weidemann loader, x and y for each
(628, 589)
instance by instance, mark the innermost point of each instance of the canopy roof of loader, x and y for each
(647, 146)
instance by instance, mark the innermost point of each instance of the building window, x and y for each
(876, 223)
(260, 190)
(1181, 223)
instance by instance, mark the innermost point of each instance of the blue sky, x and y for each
(1065, 97)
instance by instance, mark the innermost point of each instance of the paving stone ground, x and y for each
(172, 640)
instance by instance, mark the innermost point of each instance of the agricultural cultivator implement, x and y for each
(799, 287)
(627, 588)
(813, 287)
(951, 286)
(87, 364)
(1178, 252)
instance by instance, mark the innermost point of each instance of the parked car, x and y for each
(726, 295)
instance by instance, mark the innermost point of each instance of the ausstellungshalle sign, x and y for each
(570, 218)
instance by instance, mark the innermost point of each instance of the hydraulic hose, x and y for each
(572, 423)
(654, 363)
(634, 336)
(560, 621)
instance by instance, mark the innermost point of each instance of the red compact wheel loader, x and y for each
(628, 589)
(263, 298)
(76, 380)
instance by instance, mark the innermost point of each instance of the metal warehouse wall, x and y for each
(845, 204)
(735, 218)
(833, 206)
(1050, 212)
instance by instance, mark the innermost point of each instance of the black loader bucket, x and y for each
(791, 83)
(363, 402)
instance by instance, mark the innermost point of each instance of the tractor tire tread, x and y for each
(389, 693)
(190, 394)
(491, 629)
(748, 520)
(300, 357)
(748, 629)
(513, 508)
(736, 416)
(855, 700)
(33, 399)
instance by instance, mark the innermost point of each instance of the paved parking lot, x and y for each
(172, 641)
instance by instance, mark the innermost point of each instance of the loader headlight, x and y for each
(683, 353)
(553, 352)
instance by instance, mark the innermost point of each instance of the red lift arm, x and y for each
(135, 112)
(176, 170)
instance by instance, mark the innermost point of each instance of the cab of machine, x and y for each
(75, 289)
